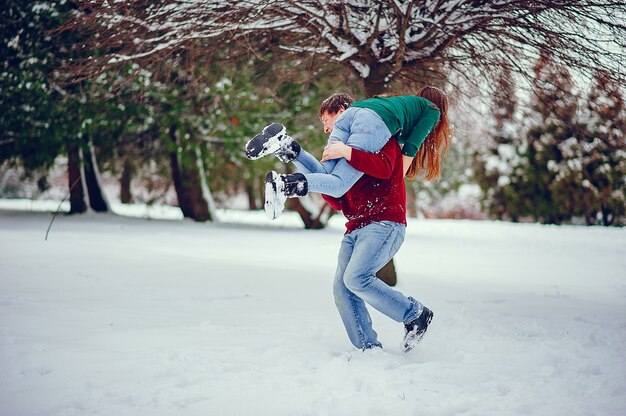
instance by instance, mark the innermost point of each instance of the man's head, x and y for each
(332, 107)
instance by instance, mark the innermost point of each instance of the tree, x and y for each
(444, 198)
(494, 164)
(552, 121)
(40, 120)
(253, 92)
(591, 177)
(381, 41)
(181, 125)
(566, 161)
(606, 147)
(27, 97)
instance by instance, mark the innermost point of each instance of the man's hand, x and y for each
(336, 150)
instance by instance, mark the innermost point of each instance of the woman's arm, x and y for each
(424, 125)
(406, 163)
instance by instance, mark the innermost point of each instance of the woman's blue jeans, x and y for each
(363, 252)
(360, 128)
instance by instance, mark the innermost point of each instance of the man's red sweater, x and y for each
(378, 195)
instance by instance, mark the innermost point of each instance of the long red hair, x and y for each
(430, 154)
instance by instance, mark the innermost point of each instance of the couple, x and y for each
(373, 145)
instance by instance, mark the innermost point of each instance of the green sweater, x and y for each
(409, 118)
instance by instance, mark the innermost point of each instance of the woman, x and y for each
(365, 125)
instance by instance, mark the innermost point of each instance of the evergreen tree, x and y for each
(591, 177)
(497, 164)
(551, 121)
(256, 94)
(570, 162)
(429, 197)
(40, 118)
(31, 116)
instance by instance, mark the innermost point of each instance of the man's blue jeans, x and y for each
(360, 128)
(363, 252)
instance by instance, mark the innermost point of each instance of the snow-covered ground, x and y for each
(124, 316)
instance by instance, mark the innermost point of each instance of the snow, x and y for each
(364, 70)
(129, 316)
(14, 43)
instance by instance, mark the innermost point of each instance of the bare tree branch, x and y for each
(377, 39)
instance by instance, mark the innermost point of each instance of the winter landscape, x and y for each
(114, 315)
(168, 292)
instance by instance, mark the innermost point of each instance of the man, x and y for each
(375, 206)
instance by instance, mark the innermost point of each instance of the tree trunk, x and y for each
(177, 177)
(188, 190)
(377, 80)
(187, 185)
(251, 199)
(199, 205)
(127, 172)
(205, 192)
(261, 186)
(311, 221)
(411, 201)
(388, 274)
(97, 199)
(83, 175)
(375, 84)
(78, 203)
(608, 216)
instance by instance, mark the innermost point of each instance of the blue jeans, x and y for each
(363, 252)
(360, 128)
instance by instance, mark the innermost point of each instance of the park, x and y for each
(140, 275)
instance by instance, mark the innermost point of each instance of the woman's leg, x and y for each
(307, 163)
(336, 182)
(375, 245)
(354, 315)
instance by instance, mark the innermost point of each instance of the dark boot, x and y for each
(279, 187)
(273, 139)
(415, 330)
(296, 184)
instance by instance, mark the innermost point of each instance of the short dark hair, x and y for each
(336, 102)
